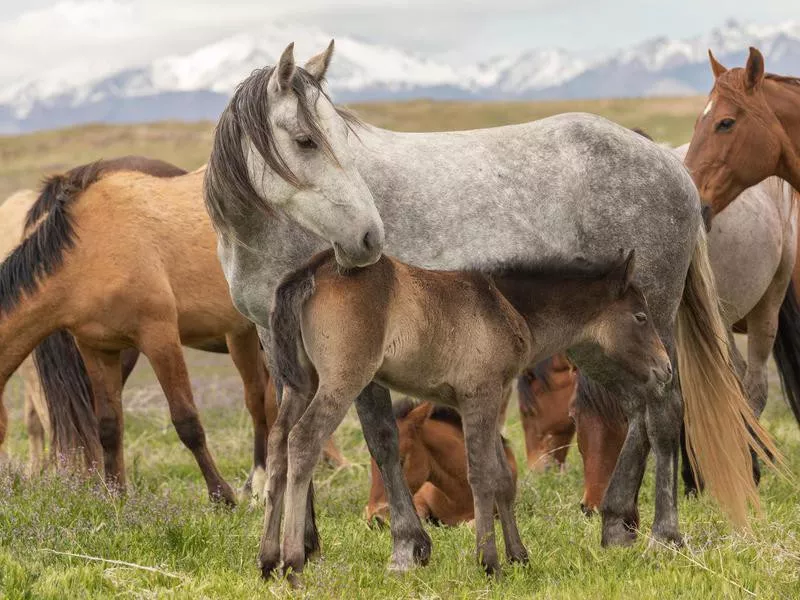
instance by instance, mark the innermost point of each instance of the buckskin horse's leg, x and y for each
(411, 544)
(161, 344)
(105, 372)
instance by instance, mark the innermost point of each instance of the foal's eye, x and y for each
(725, 125)
(306, 143)
(640, 317)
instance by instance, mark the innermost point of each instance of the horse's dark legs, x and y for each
(412, 545)
(664, 417)
(619, 508)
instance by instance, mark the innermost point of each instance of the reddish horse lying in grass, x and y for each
(454, 337)
(434, 459)
(545, 394)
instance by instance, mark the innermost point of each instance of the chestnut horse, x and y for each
(453, 337)
(434, 459)
(545, 394)
(749, 131)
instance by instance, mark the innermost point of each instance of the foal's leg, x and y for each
(505, 494)
(664, 417)
(480, 434)
(306, 440)
(105, 372)
(245, 352)
(160, 342)
(289, 412)
(411, 544)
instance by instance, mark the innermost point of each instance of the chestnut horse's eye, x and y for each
(640, 317)
(306, 143)
(725, 125)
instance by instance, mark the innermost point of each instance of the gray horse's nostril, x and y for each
(370, 239)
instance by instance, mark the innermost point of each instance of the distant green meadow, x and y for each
(68, 538)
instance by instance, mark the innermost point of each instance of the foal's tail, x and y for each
(290, 297)
(787, 349)
(68, 394)
(720, 425)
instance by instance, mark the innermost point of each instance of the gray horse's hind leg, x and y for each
(411, 544)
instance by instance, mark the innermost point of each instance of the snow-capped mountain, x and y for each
(197, 85)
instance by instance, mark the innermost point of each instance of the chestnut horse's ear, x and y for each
(420, 414)
(281, 79)
(716, 67)
(317, 65)
(754, 70)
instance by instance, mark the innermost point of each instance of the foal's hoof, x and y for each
(588, 511)
(268, 567)
(519, 556)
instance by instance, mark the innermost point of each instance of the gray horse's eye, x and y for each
(306, 143)
(640, 317)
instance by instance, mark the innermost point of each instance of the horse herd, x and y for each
(345, 260)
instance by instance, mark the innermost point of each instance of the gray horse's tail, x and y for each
(720, 426)
(787, 349)
(290, 297)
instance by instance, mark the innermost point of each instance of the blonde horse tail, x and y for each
(721, 428)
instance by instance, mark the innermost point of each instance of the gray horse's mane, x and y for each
(228, 191)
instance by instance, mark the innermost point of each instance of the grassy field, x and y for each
(65, 538)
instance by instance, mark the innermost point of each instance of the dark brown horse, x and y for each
(546, 393)
(434, 459)
(447, 336)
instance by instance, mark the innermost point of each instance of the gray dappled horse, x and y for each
(290, 173)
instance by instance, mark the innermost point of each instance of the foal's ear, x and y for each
(625, 271)
(754, 70)
(716, 67)
(420, 414)
(318, 65)
(281, 79)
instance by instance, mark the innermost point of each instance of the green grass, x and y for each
(199, 550)
(195, 550)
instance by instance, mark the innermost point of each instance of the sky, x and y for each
(104, 35)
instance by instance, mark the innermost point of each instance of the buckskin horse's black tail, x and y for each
(787, 349)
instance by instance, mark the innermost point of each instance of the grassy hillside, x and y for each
(24, 159)
(63, 538)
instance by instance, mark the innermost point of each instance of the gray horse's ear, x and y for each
(716, 67)
(284, 73)
(318, 65)
(754, 70)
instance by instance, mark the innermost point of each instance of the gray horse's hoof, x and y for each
(619, 531)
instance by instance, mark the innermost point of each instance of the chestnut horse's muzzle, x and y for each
(707, 213)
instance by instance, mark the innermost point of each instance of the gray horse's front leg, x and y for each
(411, 544)
(619, 508)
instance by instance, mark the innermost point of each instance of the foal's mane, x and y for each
(552, 268)
(441, 412)
(228, 190)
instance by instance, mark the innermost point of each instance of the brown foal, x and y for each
(450, 337)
